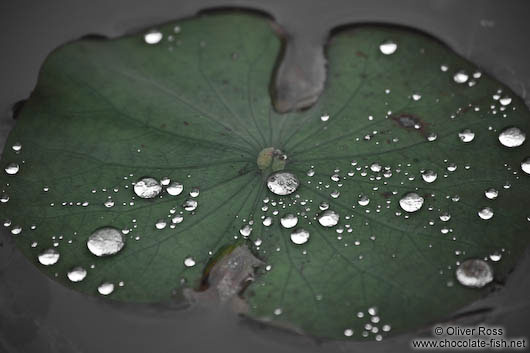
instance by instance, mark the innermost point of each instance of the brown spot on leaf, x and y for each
(411, 123)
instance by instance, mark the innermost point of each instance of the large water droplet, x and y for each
(363, 200)
(147, 188)
(153, 37)
(49, 257)
(466, 135)
(300, 236)
(485, 213)
(105, 241)
(289, 220)
(282, 183)
(77, 274)
(12, 168)
(388, 47)
(411, 202)
(106, 288)
(512, 137)
(175, 188)
(245, 230)
(329, 218)
(474, 273)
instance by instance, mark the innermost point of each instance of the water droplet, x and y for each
(17, 147)
(289, 220)
(512, 137)
(491, 194)
(147, 188)
(431, 137)
(411, 202)
(429, 176)
(348, 332)
(190, 205)
(485, 213)
(194, 192)
(445, 217)
(189, 262)
(49, 257)
(364, 200)
(324, 117)
(282, 183)
(375, 167)
(329, 218)
(474, 273)
(109, 203)
(461, 77)
(525, 165)
(300, 236)
(106, 288)
(153, 37)
(245, 230)
(105, 241)
(77, 274)
(161, 224)
(388, 47)
(12, 168)
(416, 97)
(495, 256)
(505, 101)
(466, 135)
(267, 221)
(175, 188)
(177, 219)
(310, 172)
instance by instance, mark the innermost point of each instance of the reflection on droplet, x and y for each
(289, 220)
(175, 188)
(388, 47)
(147, 188)
(512, 137)
(77, 274)
(300, 236)
(106, 288)
(486, 213)
(49, 257)
(525, 165)
(105, 241)
(153, 37)
(329, 218)
(429, 176)
(411, 202)
(282, 183)
(466, 135)
(474, 273)
(495, 256)
(12, 168)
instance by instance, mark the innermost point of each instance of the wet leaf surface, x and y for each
(194, 106)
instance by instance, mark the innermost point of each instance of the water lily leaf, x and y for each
(392, 163)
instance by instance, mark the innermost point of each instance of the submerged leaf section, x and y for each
(395, 200)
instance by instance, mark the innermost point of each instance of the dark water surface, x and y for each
(39, 315)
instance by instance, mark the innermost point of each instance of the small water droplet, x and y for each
(190, 205)
(289, 220)
(77, 274)
(175, 188)
(445, 217)
(300, 236)
(106, 288)
(505, 101)
(411, 202)
(461, 77)
(363, 200)
(429, 176)
(245, 230)
(512, 137)
(348, 332)
(466, 135)
(491, 193)
(105, 241)
(486, 213)
(282, 183)
(388, 47)
(189, 262)
(161, 224)
(147, 188)
(12, 168)
(416, 97)
(49, 257)
(324, 117)
(474, 273)
(153, 37)
(194, 192)
(525, 165)
(329, 218)
(495, 256)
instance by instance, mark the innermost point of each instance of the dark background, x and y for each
(39, 315)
